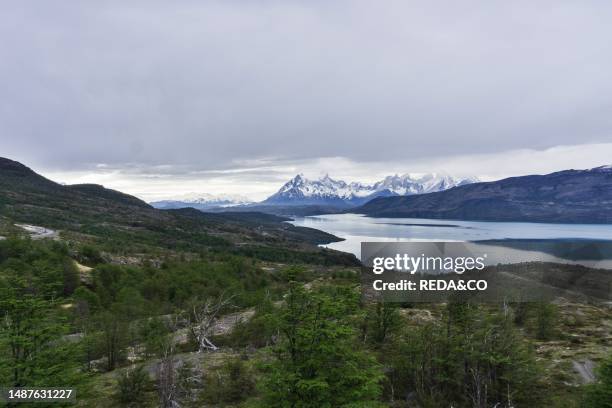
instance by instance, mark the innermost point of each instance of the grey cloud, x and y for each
(207, 85)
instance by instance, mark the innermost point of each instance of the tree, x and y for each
(90, 255)
(382, 319)
(166, 380)
(599, 395)
(230, 383)
(70, 277)
(27, 329)
(475, 357)
(87, 302)
(318, 361)
(188, 383)
(261, 330)
(169, 380)
(30, 335)
(546, 318)
(114, 330)
(32, 346)
(156, 336)
(201, 319)
(132, 384)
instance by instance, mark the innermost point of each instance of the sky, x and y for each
(159, 98)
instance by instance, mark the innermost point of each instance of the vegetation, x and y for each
(313, 344)
(600, 394)
(138, 307)
(132, 384)
(318, 361)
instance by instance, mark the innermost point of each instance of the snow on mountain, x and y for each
(202, 201)
(327, 191)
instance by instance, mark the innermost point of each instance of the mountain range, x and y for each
(202, 201)
(331, 192)
(569, 196)
(327, 191)
(324, 192)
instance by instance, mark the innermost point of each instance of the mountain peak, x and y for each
(298, 179)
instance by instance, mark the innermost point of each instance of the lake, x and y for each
(355, 228)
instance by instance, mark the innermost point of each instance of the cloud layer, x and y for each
(259, 180)
(218, 86)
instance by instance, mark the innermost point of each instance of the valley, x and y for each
(137, 306)
(306, 204)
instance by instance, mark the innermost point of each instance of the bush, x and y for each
(259, 331)
(345, 274)
(90, 255)
(230, 384)
(546, 320)
(599, 395)
(132, 384)
(295, 274)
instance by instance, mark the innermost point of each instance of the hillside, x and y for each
(29, 197)
(123, 224)
(126, 302)
(570, 196)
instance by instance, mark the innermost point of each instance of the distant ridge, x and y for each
(202, 201)
(569, 196)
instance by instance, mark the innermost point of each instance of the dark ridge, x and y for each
(569, 196)
(14, 168)
(121, 223)
(96, 190)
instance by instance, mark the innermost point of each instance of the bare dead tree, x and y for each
(202, 318)
(174, 385)
(189, 382)
(166, 372)
(166, 382)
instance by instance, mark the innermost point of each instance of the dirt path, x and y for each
(37, 232)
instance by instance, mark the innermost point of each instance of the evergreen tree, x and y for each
(30, 337)
(318, 363)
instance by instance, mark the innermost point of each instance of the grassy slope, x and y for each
(124, 224)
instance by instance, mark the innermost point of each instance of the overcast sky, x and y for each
(159, 98)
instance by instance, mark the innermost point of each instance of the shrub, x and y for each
(599, 395)
(230, 384)
(132, 384)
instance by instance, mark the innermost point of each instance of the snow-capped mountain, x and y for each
(202, 201)
(327, 191)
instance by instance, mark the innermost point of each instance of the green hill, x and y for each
(124, 224)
